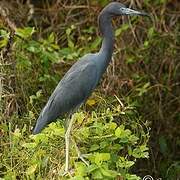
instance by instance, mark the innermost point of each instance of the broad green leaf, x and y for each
(80, 168)
(100, 157)
(132, 177)
(39, 138)
(109, 173)
(140, 152)
(104, 144)
(124, 163)
(25, 32)
(112, 125)
(133, 139)
(33, 49)
(90, 102)
(119, 131)
(94, 147)
(97, 174)
(91, 168)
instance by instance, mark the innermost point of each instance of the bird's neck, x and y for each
(108, 36)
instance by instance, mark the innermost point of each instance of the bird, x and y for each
(83, 77)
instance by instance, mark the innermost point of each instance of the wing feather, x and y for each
(72, 90)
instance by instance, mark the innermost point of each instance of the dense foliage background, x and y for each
(133, 115)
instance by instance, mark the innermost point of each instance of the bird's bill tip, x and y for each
(128, 11)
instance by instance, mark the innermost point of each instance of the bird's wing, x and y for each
(75, 88)
(71, 91)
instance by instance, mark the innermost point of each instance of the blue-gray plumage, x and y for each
(82, 78)
(71, 92)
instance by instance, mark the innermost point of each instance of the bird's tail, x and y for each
(40, 125)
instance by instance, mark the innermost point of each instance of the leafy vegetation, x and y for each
(130, 125)
(110, 149)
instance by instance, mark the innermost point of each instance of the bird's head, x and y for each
(117, 9)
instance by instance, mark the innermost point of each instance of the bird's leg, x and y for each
(80, 156)
(67, 139)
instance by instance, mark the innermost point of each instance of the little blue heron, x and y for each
(82, 78)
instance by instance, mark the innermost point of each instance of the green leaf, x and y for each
(31, 170)
(29, 145)
(25, 32)
(140, 152)
(112, 125)
(143, 89)
(77, 178)
(100, 157)
(51, 38)
(4, 33)
(124, 163)
(85, 132)
(132, 177)
(109, 173)
(33, 49)
(68, 31)
(96, 43)
(91, 168)
(79, 117)
(17, 133)
(3, 43)
(146, 43)
(104, 144)
(39, 138)
(80, 168)
(39, 93)
(97, 174)
(123, 28)
(119, 131)
(70, 44)
(23, 62)
(130, 60)
(94, 147)
(123, 134)
(4, 37)
(151, 32)
(133, 139)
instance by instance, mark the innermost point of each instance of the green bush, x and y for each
(112, 140)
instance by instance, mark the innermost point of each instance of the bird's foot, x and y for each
(81, 157)
(66, 173)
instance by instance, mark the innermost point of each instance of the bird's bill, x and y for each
(128, 11)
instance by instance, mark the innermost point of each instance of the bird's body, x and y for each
(74, 88)
(82, 78)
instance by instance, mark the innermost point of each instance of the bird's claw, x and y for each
(81, 156)
(66, 173)
(83, 160)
